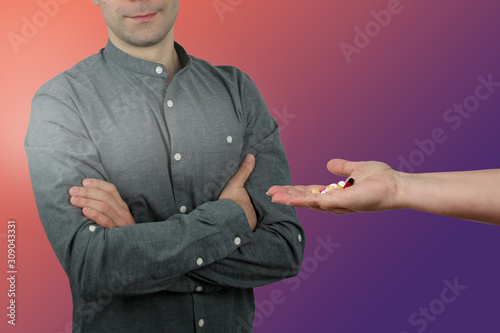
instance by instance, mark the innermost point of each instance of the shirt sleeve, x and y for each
(277, 246)
(141, 258)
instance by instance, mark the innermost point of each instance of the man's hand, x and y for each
(101, 203)
(236, 191)
(374, 189)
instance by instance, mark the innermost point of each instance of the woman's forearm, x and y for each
(469, 195)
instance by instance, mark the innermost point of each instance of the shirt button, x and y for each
(237, 241)
(199, 261)
(177, 157)
(159, 70)
(299, 237)
(183, 209)
(199, 288)
(229, 139)
(170, 103)
(92, 228)
(201, 322)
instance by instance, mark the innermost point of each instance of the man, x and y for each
(134, 156)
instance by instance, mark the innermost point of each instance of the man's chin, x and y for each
(145, 42)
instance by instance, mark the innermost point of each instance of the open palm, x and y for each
(374, 189)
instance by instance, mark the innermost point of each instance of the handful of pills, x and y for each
(342, 184)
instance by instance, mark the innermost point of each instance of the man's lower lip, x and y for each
(143, 18)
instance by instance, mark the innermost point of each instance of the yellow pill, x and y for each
(330, 188)
(315, 191)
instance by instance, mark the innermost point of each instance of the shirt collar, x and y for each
(143, 66)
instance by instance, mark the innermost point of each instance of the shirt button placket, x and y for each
(178, 157)
(199, 313)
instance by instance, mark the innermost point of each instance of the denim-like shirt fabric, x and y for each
(190, 262)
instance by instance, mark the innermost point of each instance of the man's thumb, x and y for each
(244, 171)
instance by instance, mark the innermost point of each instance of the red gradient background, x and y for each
(395, 91)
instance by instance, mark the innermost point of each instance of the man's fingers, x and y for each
(99, 206)
(244, 171)
(105, 187)
(341, 167)
(98, 218)
(101, 202)
(91, 193)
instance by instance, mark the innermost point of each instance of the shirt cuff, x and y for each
(232, 223)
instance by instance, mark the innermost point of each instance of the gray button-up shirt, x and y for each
(191, 261)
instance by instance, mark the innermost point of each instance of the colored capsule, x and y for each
(342, 184)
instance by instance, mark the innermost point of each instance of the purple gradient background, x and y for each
(395, 91)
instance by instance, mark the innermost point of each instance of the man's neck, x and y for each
(162, 53)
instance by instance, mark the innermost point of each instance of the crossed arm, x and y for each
(468, 195)
(101, 202)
